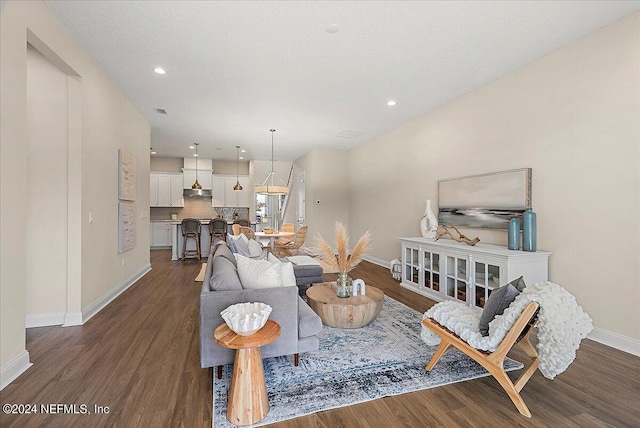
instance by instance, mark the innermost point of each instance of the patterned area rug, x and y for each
(386, 357)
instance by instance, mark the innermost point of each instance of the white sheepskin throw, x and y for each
(562, 324)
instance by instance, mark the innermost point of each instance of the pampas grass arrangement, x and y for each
(343, 261)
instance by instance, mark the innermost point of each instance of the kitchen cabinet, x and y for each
(450, 270)
(161, 234)
(225, 196)
(166, 189)
(204, 178)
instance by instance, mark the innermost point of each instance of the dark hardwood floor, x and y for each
(139, 357)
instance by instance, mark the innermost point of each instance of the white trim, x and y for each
(72, 318)
(103, 301)
(616, 340)
(44, 320)
(377, 261)
(14, 368)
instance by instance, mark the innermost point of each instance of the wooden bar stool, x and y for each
(190, 229)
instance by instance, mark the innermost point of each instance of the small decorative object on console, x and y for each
(246, 318)
(514, 234)
(429, 222)
(442, 230)
(529, 230)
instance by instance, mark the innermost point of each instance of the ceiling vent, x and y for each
(160, 110)
(349, 134)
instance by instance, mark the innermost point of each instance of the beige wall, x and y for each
(163, 164)
(326, 177)
(108, 122)
(572, 116)
(46, 175)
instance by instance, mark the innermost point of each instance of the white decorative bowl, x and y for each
(246, 318)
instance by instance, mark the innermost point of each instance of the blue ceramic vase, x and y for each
(529, 230)
(514, 234)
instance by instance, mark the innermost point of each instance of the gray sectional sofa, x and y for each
(221, 288)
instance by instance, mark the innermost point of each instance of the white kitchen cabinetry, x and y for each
(161, 234)
(166, 189)
(204, 178)
(225, 196)
(450, 270)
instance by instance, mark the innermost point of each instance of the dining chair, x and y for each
(287, 249)
(286, 227)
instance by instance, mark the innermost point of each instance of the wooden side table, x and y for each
(350, 312)
(248, 402)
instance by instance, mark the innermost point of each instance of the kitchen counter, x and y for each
(176, 237)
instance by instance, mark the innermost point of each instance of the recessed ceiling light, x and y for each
(332, 28)
(391, 103)
(159, 70)
(241, 157)
(195, 155)
(153, 152)
(192, 147)
(243, 151)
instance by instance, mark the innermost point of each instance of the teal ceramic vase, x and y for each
(529, 230)
(514, 234)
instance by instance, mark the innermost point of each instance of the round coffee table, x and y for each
(248, 401)
(350, 312)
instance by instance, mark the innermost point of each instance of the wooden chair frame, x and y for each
(494, 361)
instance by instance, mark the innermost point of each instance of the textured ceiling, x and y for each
(236, 69)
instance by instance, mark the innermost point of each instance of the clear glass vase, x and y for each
(342, 285)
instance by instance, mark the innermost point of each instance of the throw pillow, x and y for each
(499, 300)
(224, 275)
(257, 273)
(255, 249)
(519, 284)
(240, 243)
(287, 275)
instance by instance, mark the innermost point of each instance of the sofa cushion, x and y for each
(309, 323)
(257, 273)
(499, 300)
(224, 275)
(222, 250)
(287, 274)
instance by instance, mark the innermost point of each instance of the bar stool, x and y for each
(190, 229)
(242, 222)
(218, 228)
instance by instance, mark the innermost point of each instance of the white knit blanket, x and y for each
(562, 324)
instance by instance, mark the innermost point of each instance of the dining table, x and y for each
(273, 236)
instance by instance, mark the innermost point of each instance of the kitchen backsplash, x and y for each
(199, 208)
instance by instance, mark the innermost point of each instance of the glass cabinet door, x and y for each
(457, 278)
(431, 263)
(411, 271)
(486, 277)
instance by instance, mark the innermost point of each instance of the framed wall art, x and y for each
(126, 176)
(126, 226)
(486, 200)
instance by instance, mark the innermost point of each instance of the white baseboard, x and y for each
(72, 318)
(44, 320)
(377, 261)
(615, 340)
(103, 301)
(14, 368)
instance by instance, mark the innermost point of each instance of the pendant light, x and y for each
(196, 185)
(237, 187)
(269, 187)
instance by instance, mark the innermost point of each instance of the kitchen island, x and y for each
(176, 237)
